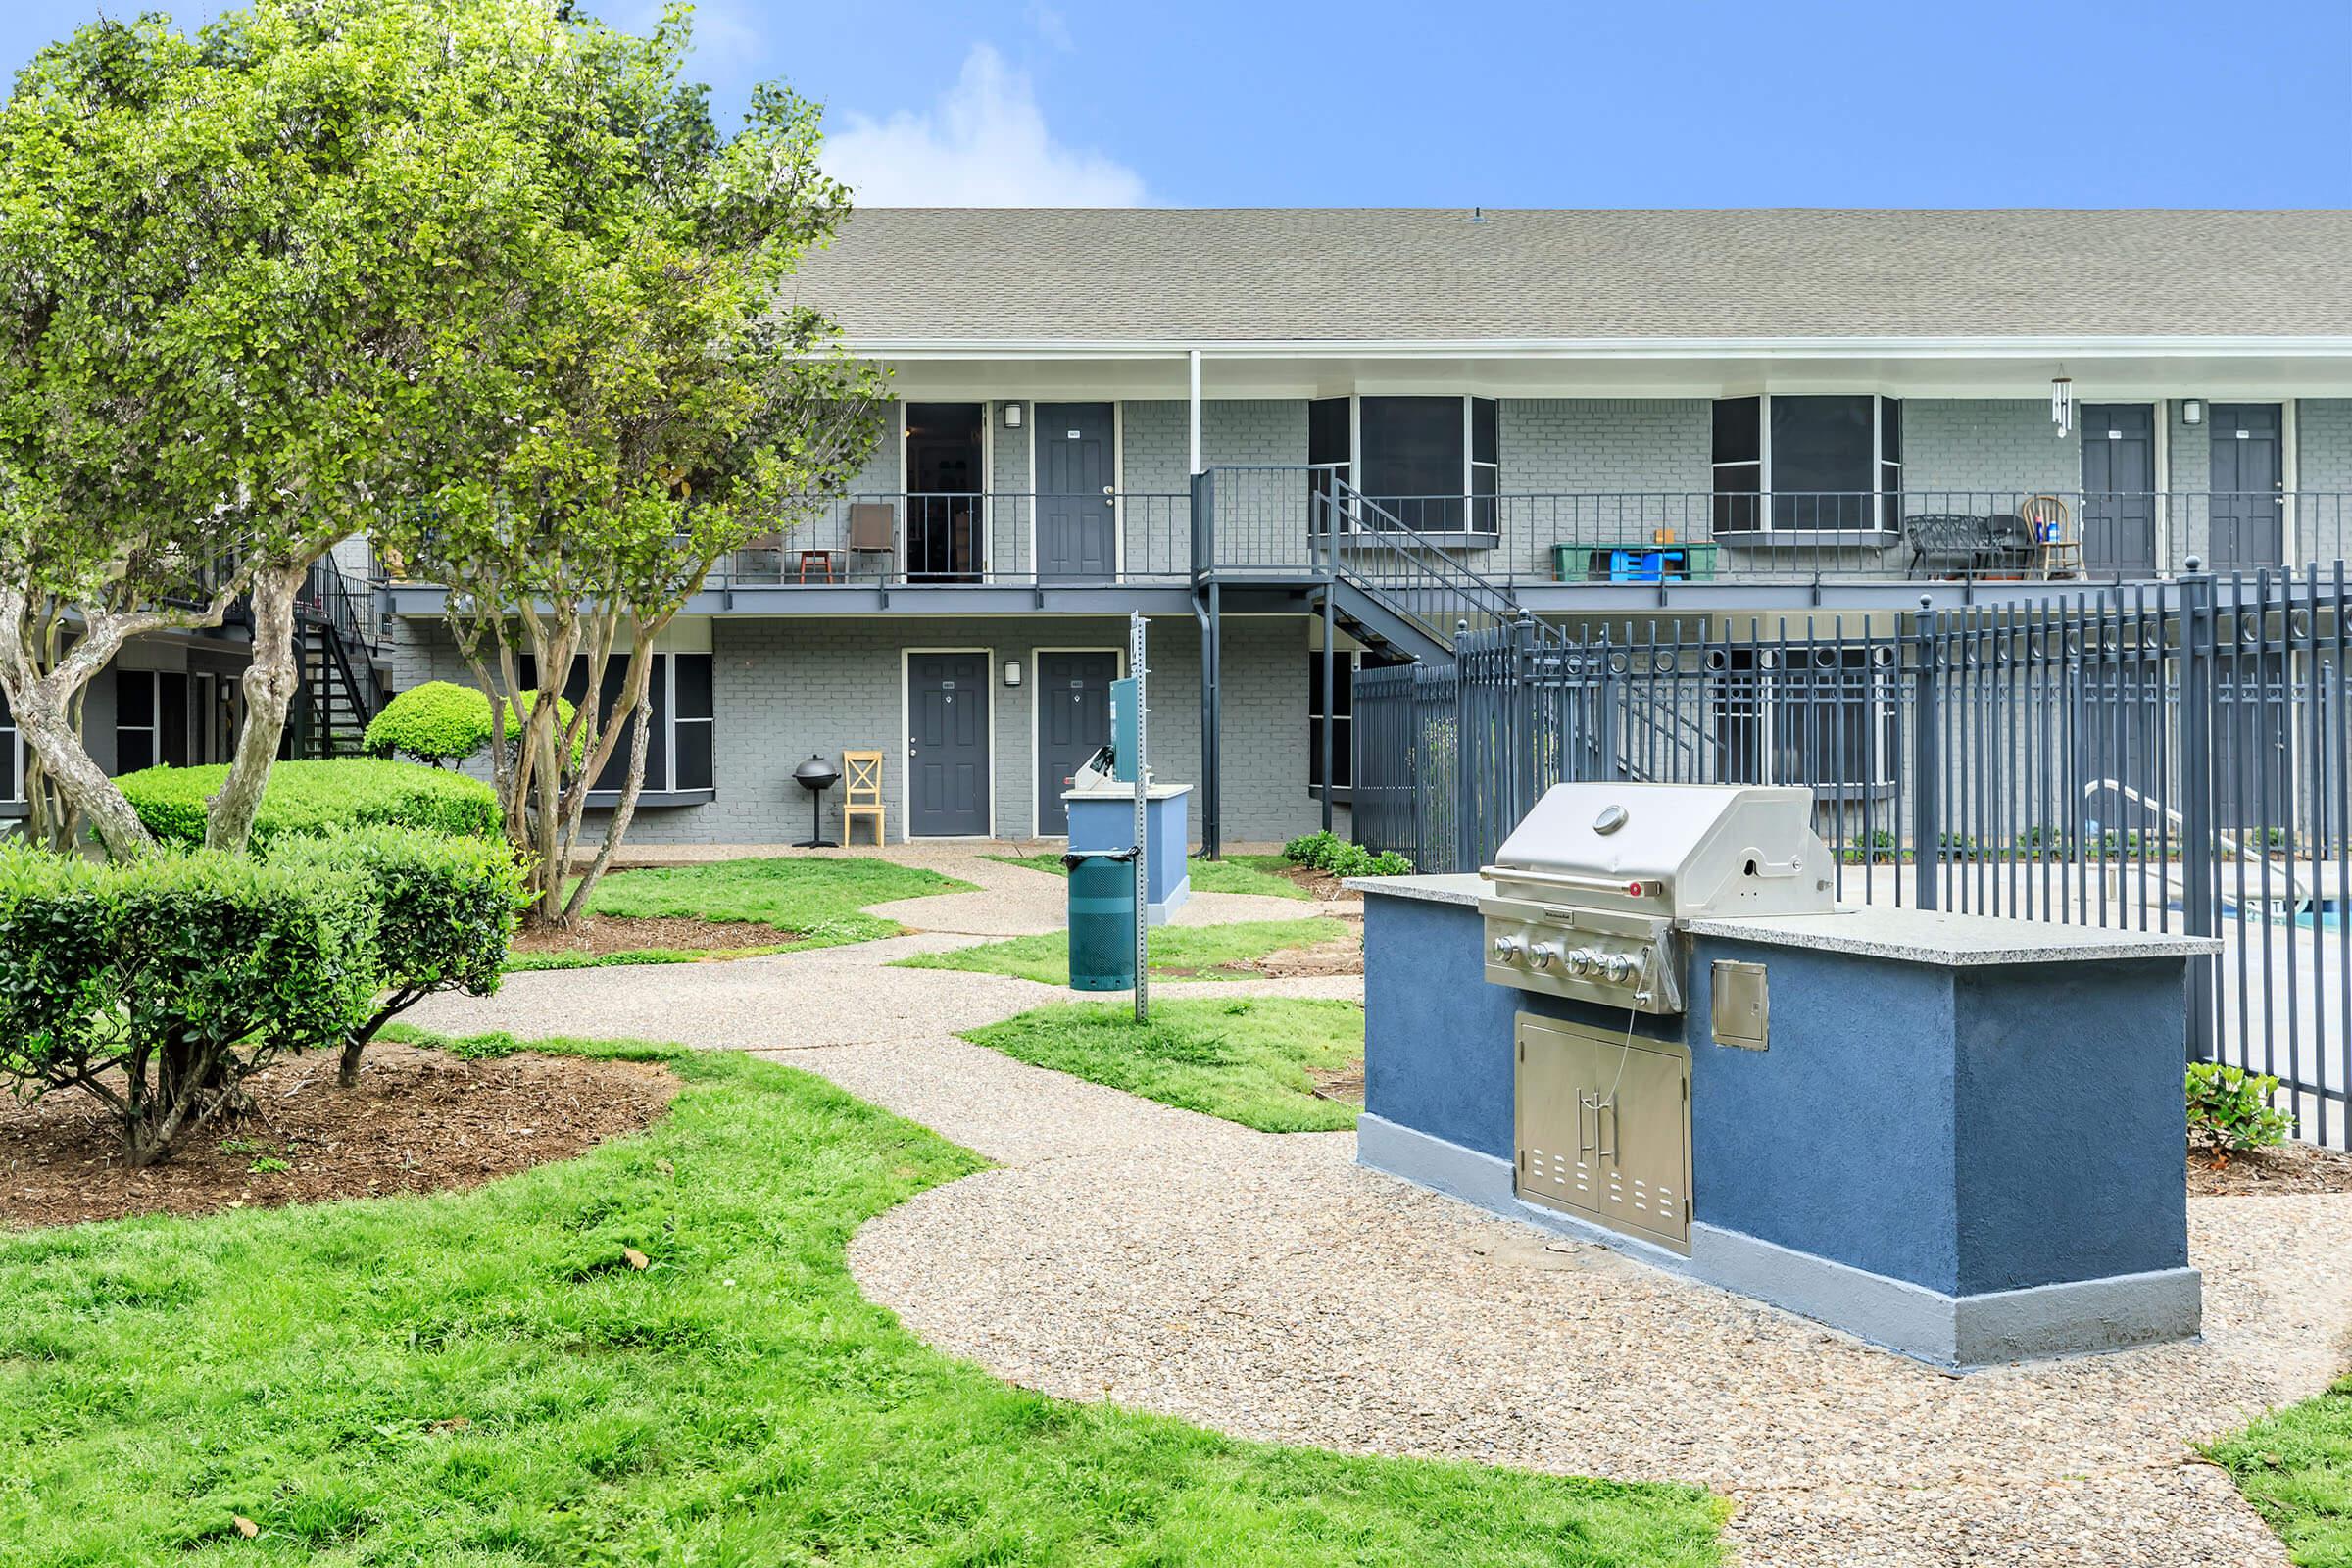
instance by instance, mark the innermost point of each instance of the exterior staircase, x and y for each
(334, 642)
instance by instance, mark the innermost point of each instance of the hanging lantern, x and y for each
(2062, 405)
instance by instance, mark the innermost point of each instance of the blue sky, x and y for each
(1768, 102)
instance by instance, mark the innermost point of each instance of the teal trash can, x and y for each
(1102, 919)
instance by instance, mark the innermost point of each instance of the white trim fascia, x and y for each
(1607, 348)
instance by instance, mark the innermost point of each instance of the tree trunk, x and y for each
(269, 684)
(623, 811)
(347, 1068)
(44, 703)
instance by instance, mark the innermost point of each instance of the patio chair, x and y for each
(873, 531)
(861, 801)
(2056, 541)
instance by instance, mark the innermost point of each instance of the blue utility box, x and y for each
(1105, 821)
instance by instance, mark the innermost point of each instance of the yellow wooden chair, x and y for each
(863, 799)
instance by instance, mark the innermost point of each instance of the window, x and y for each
(1825, 717)
(1434, 462)
(1808, 463)
(680, 750)
(1338, 717)
(12, 754)
(151, 719)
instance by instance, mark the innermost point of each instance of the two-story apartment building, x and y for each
(1279, 433)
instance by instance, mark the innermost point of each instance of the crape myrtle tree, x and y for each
(239, 279)
(110, 525)
(660, 403)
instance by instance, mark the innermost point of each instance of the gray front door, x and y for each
(2119, 488)
(2248, 484)
(947, 745)
(1077, 519)
(1073, 719)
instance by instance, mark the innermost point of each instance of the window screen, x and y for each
(1412, 458)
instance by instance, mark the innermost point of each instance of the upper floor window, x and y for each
(1805, 462)
(1434, 462)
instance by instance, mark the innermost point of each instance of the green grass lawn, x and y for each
(2295, 1467)
(1236, 873)
(481, 1379)
(1046, 956)
(1246, 1059)
(815, 900)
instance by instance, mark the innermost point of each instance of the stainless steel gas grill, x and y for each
(1590, 887)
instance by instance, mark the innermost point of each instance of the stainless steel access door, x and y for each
(1603, 1128)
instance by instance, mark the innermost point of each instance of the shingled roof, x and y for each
(1012, 275)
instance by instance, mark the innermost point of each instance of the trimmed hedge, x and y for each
(446, 910)
(160, 983)
(1327, 851)
(442, 722)
(310, 798)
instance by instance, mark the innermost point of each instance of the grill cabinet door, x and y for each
(1605, 1128)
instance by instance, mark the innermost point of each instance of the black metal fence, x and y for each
(2166, 758)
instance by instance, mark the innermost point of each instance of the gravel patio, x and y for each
(1264, 1285)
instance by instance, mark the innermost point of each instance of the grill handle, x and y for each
(1565, 879)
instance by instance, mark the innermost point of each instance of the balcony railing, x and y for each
(977, 538)
(1270, 523)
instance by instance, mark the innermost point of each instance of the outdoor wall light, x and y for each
(2192, 411)
(1013, 672)
(1012, 415)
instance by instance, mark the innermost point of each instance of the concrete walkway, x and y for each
(1267, 1287)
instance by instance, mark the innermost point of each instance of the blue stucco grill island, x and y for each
(1963, 1139)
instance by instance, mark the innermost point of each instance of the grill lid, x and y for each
(1684, 851)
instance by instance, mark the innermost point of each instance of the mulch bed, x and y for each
(2288, 1169)
(613, 933)
(1322, 884)
(1343, 1084)
(417, 1121)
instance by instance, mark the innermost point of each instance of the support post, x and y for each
(1212, 763)
(2198, 916)
(1331, 696)
(1193, 422)
(1136, 663)
(1926, 763)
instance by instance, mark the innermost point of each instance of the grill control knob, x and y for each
(1544, 953)
(1620, 967)
(1584, 960)
(1507, 950)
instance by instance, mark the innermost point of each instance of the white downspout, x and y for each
(1194, 359)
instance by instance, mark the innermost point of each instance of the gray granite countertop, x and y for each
(1937, 937)
(1466, 887)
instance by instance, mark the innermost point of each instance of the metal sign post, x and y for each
(1143, 847)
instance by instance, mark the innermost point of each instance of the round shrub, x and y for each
(175, 976)
(311, 797)
(442, 722)
(446, 910)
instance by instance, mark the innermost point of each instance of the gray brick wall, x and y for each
(2322, 479)
(787, 687)
(1988, 449)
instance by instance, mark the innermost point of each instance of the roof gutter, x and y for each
(1619, 348)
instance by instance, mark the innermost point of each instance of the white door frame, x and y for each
(1037, 698)
(983, 523)
(988, 667)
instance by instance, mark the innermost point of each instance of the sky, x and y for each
(1203, 103)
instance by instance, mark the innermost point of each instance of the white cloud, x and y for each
(983, 144)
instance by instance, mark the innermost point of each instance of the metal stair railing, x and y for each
(1409, 573)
